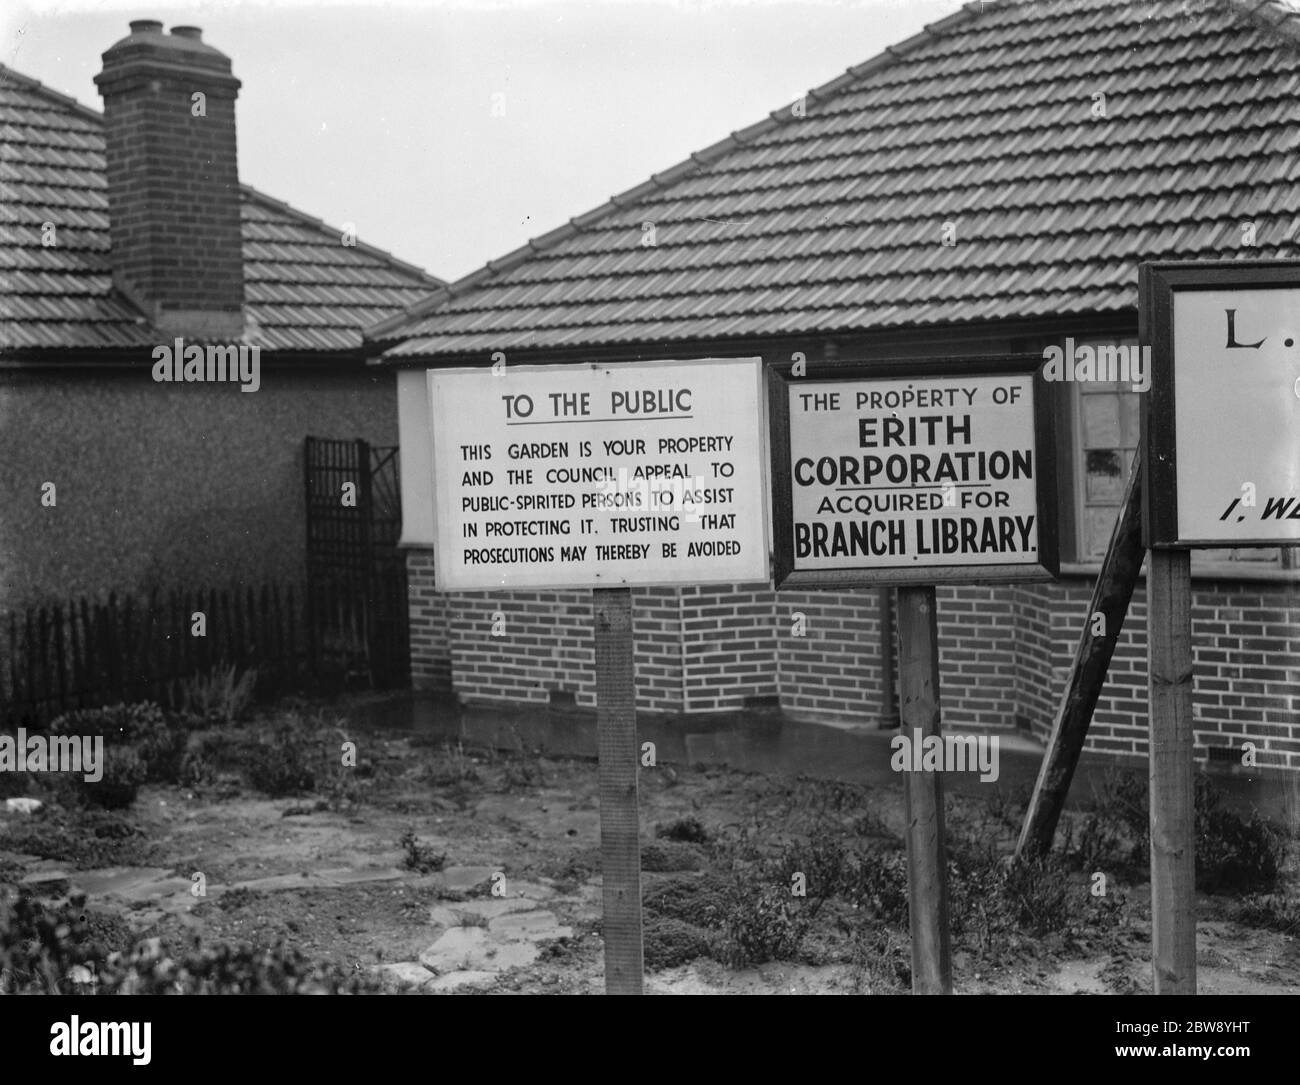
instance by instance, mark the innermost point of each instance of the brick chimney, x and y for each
(173, 181)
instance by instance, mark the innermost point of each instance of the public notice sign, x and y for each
(579, 476)
(1221, 423)
(936, 473)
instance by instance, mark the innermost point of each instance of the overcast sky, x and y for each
(383, 114)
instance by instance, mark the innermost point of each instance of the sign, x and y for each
(1221, 423)
(914, 473)
(582, 476)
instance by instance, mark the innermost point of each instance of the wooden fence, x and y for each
(90, 653)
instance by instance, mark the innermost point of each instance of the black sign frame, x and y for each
(1045, 567)
(1158, 281)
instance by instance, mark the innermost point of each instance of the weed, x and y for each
(421, 858)
(521, 774)
(222, 695)
(454, 767)
(684, 830)
(878, 881)
(1272, 911)
(1037, 894)
(882, 961)
(669, 856)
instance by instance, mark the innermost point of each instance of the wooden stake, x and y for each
(1110, 598)
(1173, 855)
(927, 868)
(620, 846)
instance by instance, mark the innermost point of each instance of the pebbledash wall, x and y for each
(159, 485)
(1005, 649)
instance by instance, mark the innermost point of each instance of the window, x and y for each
(1106, 432)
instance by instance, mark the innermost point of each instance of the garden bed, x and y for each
(252, 857)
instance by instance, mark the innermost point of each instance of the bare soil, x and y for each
(499, 885)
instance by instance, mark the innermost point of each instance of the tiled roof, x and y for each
(832, 222)
(304, 290)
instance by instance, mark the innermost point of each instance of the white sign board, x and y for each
(920, 478)
(1237, 415)
(579, 476)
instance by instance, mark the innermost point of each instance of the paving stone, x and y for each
(462, 949)
(453, 980)
(54, 883)
(442, 916)
(467, 877)
(347, 876)
(529, 890)
(494, 907)
(535, 926)
(132, 883)
(406, 973)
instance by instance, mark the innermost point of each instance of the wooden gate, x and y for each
(356, 576)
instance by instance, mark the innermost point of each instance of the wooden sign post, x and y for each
(911, 474)
(1222, 340)
(602, 477)
(927, 866)
(620, 845)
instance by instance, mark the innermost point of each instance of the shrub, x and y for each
(701, 901)
(65, 951)
(143, 727)
(1233, 852)
(123, 773)
(669, 943)
(762, 923)
(284, 761)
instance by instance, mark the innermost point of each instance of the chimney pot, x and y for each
(146, 26)
(188, 32)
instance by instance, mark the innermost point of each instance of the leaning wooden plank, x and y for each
(1101, 628)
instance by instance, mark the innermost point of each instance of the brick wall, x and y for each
(834, 669)
(542, 643)
(1005, 654)
(729, 647)
(977, 650)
